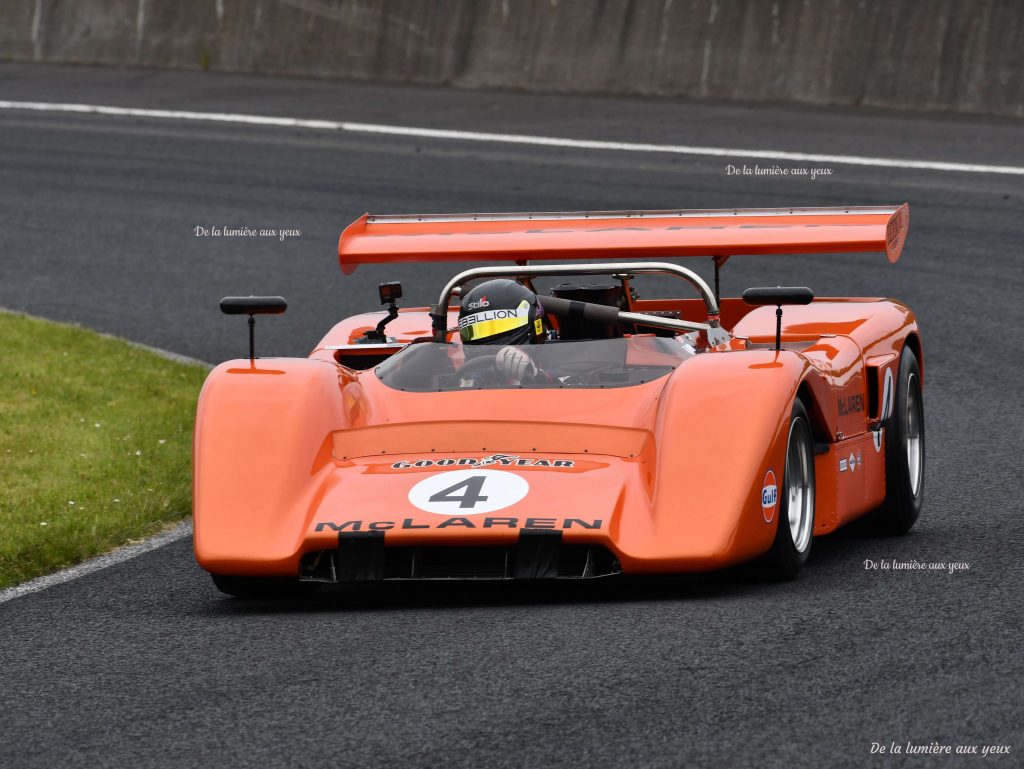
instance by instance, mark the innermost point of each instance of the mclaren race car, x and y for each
(601, 434)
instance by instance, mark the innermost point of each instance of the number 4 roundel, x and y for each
(468, 492)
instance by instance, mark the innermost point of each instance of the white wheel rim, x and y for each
(800, 495)
(913, 433)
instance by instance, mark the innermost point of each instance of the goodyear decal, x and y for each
(497, 460)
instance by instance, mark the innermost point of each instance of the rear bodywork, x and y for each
(308, 466)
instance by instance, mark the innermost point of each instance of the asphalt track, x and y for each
(144, 664)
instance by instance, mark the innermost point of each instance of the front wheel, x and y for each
(795, 527)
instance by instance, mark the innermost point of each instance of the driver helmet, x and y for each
(502, 312)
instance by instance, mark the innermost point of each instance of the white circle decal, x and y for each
(468, 492)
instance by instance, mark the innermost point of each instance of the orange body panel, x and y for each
(621, 235)
(667, 475)
(670, 475)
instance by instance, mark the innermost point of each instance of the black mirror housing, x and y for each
(778, 295)
(253, 305)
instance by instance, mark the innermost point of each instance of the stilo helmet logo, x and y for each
(481, 302)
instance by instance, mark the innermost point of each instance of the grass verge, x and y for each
(95, 444)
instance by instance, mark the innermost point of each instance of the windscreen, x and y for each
(592, 364)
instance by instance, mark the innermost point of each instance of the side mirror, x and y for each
(778, 295)
(253, 305)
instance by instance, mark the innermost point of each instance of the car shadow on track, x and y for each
(833, 561)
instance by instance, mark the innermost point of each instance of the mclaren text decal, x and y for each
(464, 522)
(503, 460)
(852, 404)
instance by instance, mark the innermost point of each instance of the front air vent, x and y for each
(368, 559)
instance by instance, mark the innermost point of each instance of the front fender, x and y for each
(261, 454)
(722, 425)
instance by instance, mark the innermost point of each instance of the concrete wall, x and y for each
(957, 55)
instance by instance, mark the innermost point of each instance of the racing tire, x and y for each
(794, 530)
(904, 452)
(257, 587)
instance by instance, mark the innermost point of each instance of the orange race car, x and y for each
(511, 433)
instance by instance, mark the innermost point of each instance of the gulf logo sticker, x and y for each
(769, 496)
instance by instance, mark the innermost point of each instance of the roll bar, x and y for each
(713, 329)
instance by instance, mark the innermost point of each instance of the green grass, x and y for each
(95, 444)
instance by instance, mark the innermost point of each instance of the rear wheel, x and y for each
(795, 527)
(904, 452)
(257, 587)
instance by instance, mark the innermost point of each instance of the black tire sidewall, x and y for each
(902, 507)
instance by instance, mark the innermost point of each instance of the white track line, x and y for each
(501, 138)
(112, 558)
(125, 552)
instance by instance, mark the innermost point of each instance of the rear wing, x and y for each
(621, 235)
